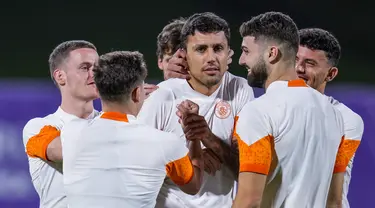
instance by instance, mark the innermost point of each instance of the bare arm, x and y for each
(250, 190)
(228, 154)
(334, 199)
(54, 151)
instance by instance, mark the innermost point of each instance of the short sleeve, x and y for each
(353, 130)
(37, 134)
(178, 165)
(32, 128)
(157, 108)
(255, 140)
(353, 126)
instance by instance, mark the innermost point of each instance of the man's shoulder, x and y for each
(162, 94)
(173, 83)
(346, 112)
(352, 120)
(38, 122)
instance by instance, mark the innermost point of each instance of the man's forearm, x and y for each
(228, 154)
(196, 157)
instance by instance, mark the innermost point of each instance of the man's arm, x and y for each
(43, 141)
(195, 128)
(228, 154)
(256, 151)
(345, 152)
(187, 172)
(255, 163)
(334, 199)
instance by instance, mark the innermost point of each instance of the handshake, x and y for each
(196, 129)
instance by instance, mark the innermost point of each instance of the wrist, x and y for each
(209, 140)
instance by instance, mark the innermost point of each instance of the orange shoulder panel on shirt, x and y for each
(346, 151)
(256, 157)
(38, 144)
(297, 83)
(180, 171)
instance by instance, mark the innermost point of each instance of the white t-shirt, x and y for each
(353, 127)
(292, 134)
(219, 110)
(47, 181)
(118, 162)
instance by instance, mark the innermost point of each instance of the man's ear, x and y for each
(60, 77)
(136, 94)
(332, 73)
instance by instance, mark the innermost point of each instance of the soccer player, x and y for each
(220, 95)
(317, 59)
(289, 137)
(168, 43)
(117, 161)
(71, 65)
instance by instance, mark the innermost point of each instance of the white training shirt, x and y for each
(118, 162)
(292, 134)
(47, 181)
(219, 110)
(353, 128)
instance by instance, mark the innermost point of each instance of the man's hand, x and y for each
(211, 162)
(149, 88)
(177, 66)
(194, 126)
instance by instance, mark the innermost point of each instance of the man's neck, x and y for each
(201, 88)
(281, 74)
(79, 108)
(118, 107)
(322, 88)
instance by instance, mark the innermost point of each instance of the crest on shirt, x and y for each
(222, 109)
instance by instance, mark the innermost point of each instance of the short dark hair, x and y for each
(273, 26)
(118, 73)
(62, 51)
(206, 22)
(319, 39)
(168, 40)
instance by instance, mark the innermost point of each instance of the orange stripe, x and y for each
(116, 116)
(346, 152)
(257, 157)
(180, 171)
(297, 83)
(38, 144)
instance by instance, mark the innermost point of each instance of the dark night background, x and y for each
(30, 30)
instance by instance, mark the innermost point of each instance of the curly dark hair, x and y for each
(274, 26)
(168, 40)
(118, 73)
(319, 39)
(62, 51)
(206, 22)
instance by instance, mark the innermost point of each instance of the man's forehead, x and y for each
(248, 41)
(208, 38)
(84, 53)
(305, 52)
